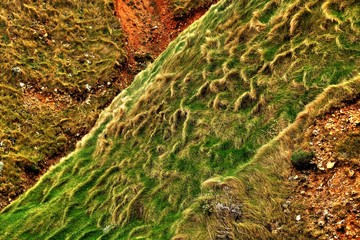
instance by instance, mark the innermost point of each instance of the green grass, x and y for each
(197, 127)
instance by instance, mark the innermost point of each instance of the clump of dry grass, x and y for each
(182, 8)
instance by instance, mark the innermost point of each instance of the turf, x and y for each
(198, 146)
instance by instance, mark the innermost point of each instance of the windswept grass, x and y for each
(182, 8)
(59, 61)
(188, 150)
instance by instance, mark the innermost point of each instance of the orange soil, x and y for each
(150, 26)
(330, 193)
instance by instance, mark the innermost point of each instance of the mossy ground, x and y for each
(187, 151)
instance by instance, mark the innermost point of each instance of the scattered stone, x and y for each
(16, 70)
(298, 218)
(330, 165)
(351, 173)
(286, 204)
(321, 223)
(287, 211)
(320, 167)
(88, 87)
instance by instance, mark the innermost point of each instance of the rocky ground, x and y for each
(329, 193)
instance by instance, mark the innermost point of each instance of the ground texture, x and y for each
(329, 193)
(49, 102)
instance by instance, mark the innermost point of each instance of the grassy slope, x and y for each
(59, 61)
(171, 155)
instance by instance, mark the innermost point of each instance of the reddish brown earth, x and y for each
(329, 194)
(149, 27)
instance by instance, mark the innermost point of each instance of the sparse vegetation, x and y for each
(59, 62)
(182, 8)
(350, 146)
(206, 129)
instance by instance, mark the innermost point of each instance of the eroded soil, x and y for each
(329, 194)
(149, 27)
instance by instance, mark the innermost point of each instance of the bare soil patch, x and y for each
(329, 194)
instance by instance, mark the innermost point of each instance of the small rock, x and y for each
(321, 223)
(88, 87)
(351, 173)
(286, 204)
(22, 85)
(320, 167)
(16, 70)
(287, 211)
(330, 165)
(298, 218)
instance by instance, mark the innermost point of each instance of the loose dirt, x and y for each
(329, 194)
(149, 27)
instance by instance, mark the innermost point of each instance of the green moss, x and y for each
(302, 160)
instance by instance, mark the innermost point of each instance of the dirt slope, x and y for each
(329, 193)
(150, 26)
